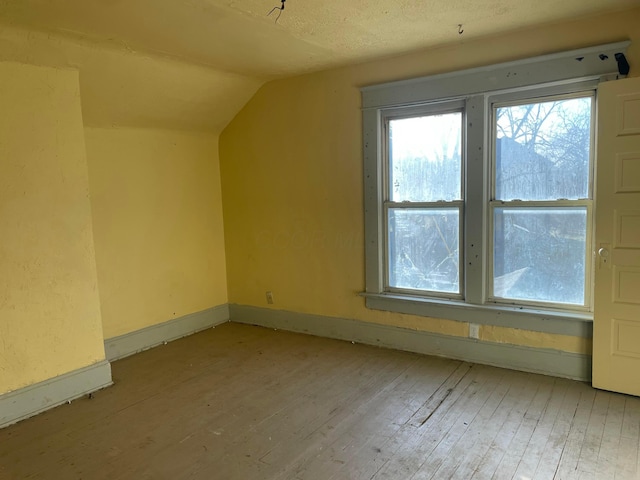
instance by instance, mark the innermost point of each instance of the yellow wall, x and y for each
(292, 177)
(49, 305)
(150, 238)
(157, 216)
(155, 205)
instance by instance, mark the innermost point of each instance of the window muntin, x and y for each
(540, 211)
(424, 202)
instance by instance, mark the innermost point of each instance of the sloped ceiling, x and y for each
(124, 88)
(236, 46)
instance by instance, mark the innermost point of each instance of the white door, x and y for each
(616, 330)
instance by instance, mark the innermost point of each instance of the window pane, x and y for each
(424, 158)
(543, 150)
(539, 254)
(423, 249)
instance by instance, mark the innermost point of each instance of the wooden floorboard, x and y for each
(242, 402)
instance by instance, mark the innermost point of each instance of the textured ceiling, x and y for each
(193, 64)
(238, 36)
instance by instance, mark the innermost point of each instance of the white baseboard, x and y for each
(29, 401)
(537, 360)
(145, 338)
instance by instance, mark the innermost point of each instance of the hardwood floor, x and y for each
(242, 402)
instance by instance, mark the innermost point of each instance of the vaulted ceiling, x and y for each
(245, 46)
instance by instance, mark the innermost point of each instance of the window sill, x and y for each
(575, 324)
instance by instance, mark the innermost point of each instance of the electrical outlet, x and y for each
(270, 297)
(474, 331)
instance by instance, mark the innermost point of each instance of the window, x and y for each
(479, 192)
(424, 203)
(539, 207)
(541, 202)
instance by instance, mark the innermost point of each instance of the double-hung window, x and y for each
(479, 192)
(541, 200)
(424, 199)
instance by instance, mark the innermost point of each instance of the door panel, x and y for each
(616, 329)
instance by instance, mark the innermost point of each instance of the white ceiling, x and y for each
(238, 36)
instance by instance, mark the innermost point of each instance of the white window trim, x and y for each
(550, 74)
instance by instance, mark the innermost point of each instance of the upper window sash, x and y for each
(414, 112)
(582, 89)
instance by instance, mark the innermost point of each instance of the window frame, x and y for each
(555, 74)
